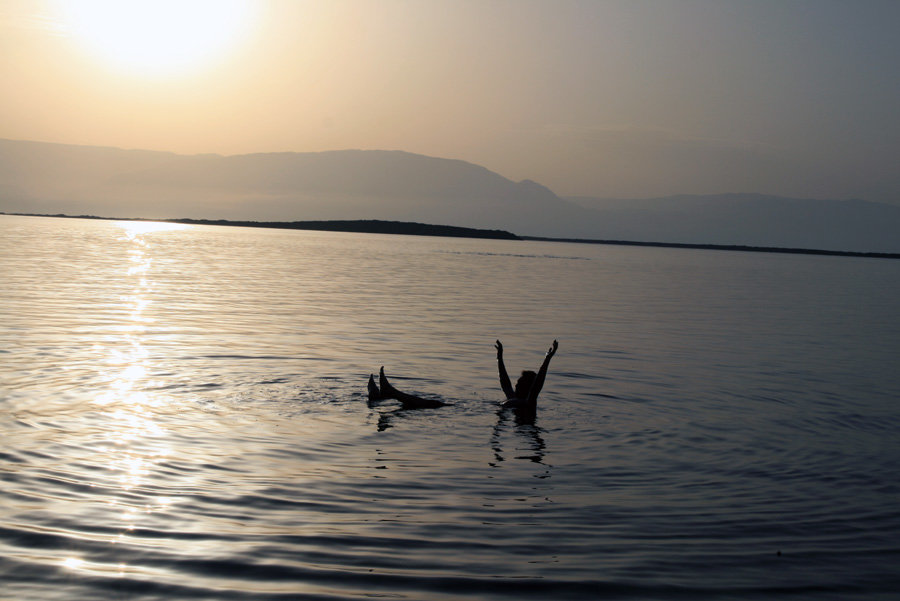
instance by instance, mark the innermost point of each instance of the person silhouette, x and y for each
(524, 395)
(387, 391)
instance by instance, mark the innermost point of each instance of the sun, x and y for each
(157, 37)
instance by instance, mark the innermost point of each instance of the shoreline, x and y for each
(358, 226)
(410, 228)
(728, 247)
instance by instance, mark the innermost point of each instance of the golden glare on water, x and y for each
(133, 229)
(157, 37)
(73, 563)
(135, 441)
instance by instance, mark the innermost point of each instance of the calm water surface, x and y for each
(183, 415)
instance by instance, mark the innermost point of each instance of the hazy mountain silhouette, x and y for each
(351, 184)
(45, 178)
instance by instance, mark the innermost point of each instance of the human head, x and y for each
(523, 385)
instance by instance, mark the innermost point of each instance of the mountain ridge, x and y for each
(396, 185)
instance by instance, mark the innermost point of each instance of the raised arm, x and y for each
(541, 375)
(504, 377)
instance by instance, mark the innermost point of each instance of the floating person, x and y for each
(387, 391)
(524, 395)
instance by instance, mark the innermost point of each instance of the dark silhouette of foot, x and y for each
(408, 401)
(374, 393)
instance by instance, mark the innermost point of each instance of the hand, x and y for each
(499, 346)
(552, 350)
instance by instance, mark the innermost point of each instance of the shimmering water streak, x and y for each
(184, 416)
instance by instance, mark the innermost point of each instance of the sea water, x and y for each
(184, 415)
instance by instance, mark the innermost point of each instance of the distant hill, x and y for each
(367, 226)
(341, 185)
(43, 178)
(364, 226)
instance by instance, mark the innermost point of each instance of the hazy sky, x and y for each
(627, 98)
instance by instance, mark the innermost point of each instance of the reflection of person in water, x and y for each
(524, 395)
(387, 391)
(526, 432)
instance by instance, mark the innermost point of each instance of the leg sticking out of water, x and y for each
(374, 393)
(408, 401)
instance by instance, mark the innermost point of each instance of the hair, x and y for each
(523, 385)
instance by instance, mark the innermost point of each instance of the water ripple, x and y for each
(185, 416)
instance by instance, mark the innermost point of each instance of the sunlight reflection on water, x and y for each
(133, 440)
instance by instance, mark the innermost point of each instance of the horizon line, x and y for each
(494, 234)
